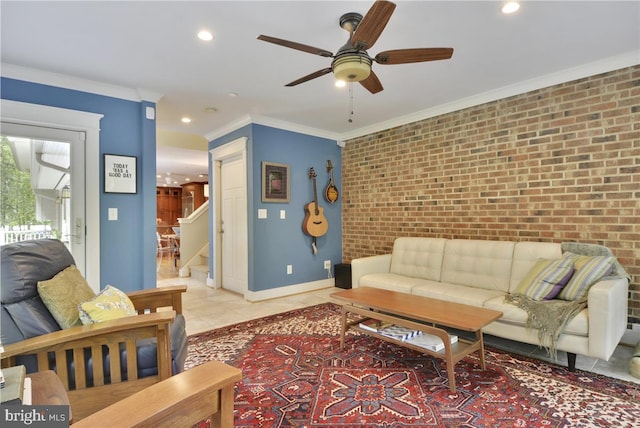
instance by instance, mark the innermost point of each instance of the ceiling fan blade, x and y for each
(405, 56)
(372, 83)
(371, 26)
(310, 77)
(294, 45)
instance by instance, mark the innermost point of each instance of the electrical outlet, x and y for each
(327, 264)
(289, 269)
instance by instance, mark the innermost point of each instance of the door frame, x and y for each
(80, 121)
(234, 149)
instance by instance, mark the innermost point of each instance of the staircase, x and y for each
(200, 270)
(194, 244)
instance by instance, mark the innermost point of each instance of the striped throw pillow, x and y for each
(546, 278)
(589, 270)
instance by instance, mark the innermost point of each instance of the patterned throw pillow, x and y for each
(109, 304)
(63, 293)
(589, 270)
(546, 278)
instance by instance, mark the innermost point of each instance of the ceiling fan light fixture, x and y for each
(352, 67)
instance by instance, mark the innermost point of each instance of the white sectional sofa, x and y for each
(481, 273)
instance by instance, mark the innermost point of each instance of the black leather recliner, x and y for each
(25, 316)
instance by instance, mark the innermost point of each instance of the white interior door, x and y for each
(233, 225)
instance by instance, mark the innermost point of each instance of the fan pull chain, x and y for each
(350, 103)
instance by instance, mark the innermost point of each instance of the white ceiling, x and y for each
(151, 47)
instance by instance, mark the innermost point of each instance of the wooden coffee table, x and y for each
(419, 313)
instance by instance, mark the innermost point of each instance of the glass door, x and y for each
(46, 166)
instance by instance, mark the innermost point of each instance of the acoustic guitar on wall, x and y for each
(315, 224)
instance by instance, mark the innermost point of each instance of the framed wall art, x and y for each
(120, 174)
(275, 182)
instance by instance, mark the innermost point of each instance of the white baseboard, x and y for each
(211, 282)
(256, 296)
(631, 337)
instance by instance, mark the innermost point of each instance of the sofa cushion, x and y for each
(589, 269)
(389, 281)
(476, 263)
(31, 318)
(526, 254)
(63, 293)
(546, 278)
(109, 304)
(147, 350)
(23, 265)
(418, 257)
(455, 293)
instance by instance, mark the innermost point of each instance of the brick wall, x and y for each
(556, 164)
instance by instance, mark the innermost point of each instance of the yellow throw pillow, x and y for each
(109, 304)
(63, 293)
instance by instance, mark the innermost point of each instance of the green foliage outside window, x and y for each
(17, 200)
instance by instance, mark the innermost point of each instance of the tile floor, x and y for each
(206, 308)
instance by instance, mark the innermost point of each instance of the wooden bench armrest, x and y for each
(180, 401)
(52, 341)
(153, 298)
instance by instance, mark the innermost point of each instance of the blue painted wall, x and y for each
(276, 243)
(127, 246)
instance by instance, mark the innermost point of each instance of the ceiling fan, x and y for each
(352, 63)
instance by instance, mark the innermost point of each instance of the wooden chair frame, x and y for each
(205, 391)
(156, 308)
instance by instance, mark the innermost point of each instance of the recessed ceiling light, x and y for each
(510, 7)
(186, 120)
(340, 83)
(233, 94)
(205, 35)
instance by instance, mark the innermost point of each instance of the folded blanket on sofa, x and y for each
(596, 250)
(549, 317)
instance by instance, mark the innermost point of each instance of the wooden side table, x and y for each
(47, 390)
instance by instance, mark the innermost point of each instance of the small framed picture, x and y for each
(275, 182)
(120, 174)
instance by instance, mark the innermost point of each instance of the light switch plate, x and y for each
(262, 213)
(283, 214)
(113, 214)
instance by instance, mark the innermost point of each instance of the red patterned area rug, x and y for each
(296, 375)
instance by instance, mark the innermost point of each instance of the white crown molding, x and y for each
(18, 72)
(610, 64)
(227, 129)
(294, 127)
(274, 123)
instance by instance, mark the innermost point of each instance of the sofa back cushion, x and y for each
(418, 257)
(525, 256)
(480, 264)
(23, 265)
